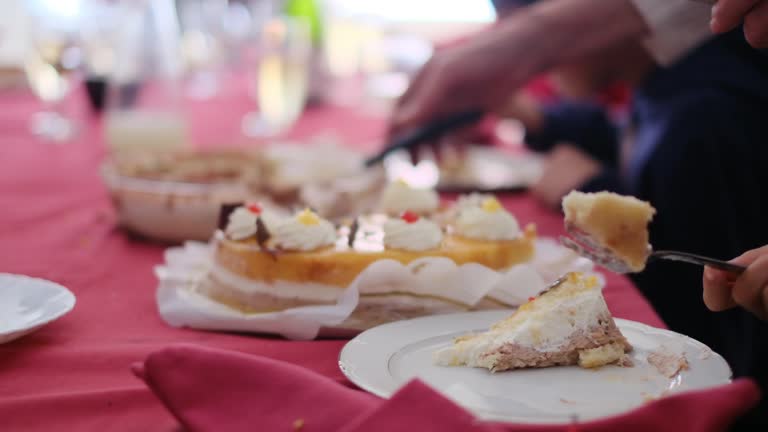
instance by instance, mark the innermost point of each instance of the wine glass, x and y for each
(144, 98)
(52, 63)
(202, 44)
(280, 76)
(98, 33)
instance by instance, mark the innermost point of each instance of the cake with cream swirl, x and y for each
(266, 263)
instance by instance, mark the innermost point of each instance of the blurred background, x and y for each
(147, 73)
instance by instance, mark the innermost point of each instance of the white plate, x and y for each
(382, 359)
(482, 169)
(26, 304)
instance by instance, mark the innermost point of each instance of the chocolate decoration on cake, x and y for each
(224, 212)
(262, 233)
(353, 232)
(262, 236)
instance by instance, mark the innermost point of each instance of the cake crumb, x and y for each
(705, 353)
(418, 268)
(668, 363)
(625, 361)
(298, 424)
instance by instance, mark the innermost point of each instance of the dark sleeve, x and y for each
(585, 125)
(707, 174)
(707, 181)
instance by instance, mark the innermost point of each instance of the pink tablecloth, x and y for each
(56, 223)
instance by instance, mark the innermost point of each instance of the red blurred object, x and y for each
(214, 390)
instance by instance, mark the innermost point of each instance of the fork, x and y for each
(587, 247)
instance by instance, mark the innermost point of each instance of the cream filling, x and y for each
(417, 236)
(546, 330)
(279, 288)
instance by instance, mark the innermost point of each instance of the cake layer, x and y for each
(372, 309)
(306, 291)
(505, 356)
(340, 265)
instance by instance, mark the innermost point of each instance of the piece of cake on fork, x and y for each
(615, 222)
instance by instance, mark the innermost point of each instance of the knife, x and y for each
(428, 132)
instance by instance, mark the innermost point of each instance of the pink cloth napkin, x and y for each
(214, 390)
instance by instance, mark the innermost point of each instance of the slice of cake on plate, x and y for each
(617, 223)
(568, 325)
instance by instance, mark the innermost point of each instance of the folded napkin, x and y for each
(214, 390)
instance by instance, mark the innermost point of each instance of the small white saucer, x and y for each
(27, 303)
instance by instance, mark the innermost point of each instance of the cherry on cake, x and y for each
(568, 325)
(618, 223)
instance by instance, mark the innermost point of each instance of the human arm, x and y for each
(482, 72)
(583, 124)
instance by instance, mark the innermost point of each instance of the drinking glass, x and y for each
(280, 76)
(202, 44)
(53, 60)
(144, 101)
(98, 32)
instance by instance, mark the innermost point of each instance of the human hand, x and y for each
(728, 14)
(478, 74)
(455, 141)
(483, 71)
(722, 290)
(525, 109)
(565, 168)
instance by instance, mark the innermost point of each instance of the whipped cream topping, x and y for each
(469, 201)
(487, 221)
(242, 221)
(399, 197)
(418, 235)
(305, 231)
(242, 224)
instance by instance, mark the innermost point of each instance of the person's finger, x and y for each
(756, 25)
(717, 290)
(437, 149)
(415, 153)
(748, 289)
(765, 298)
(750, 256)
(414, 87)
(728, 14)
(458, 142)
(422, 105)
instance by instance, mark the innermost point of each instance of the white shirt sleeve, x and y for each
(677, 26)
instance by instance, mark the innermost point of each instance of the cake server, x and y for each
(584, 245)
(430, 131)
